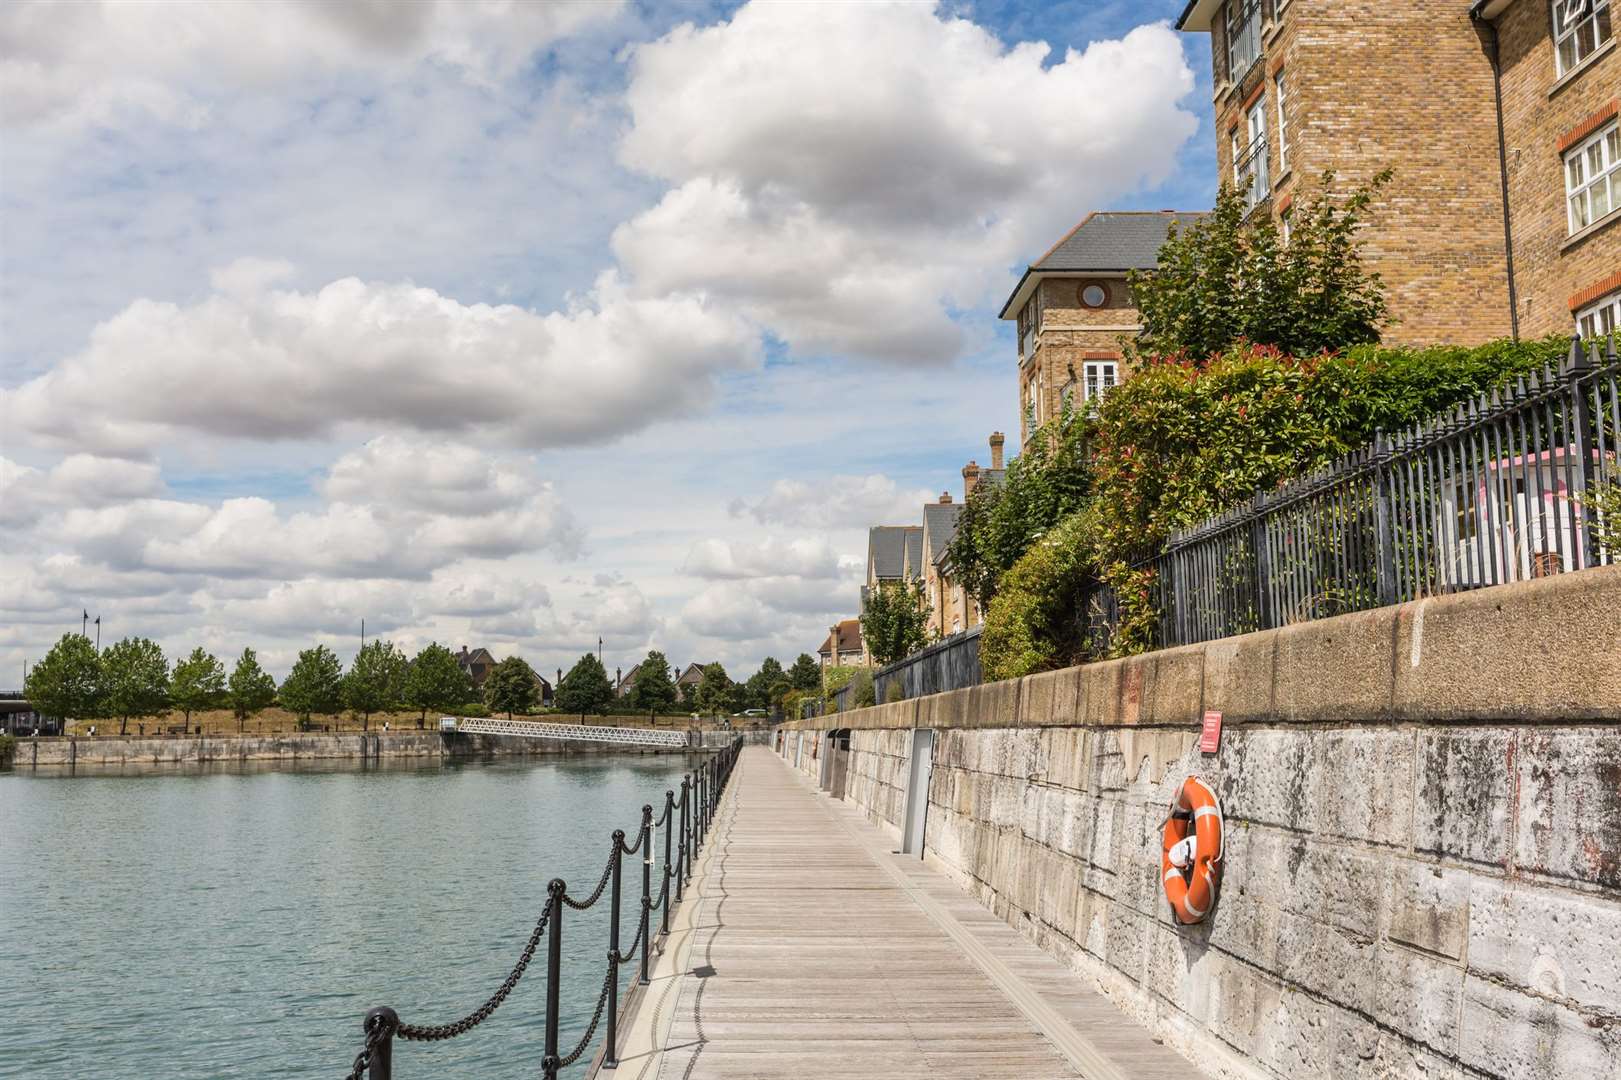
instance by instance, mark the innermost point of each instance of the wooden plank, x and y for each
(808, 949)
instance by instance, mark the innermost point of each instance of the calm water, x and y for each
(240, 923)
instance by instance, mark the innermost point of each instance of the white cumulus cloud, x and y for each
(852, 174)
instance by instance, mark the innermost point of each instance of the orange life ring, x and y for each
(1191, 886)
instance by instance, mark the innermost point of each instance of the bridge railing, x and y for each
(685, 824)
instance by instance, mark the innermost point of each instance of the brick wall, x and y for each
(1423, 852)
(1071, 334)
(1375, 83)
(1538, 112)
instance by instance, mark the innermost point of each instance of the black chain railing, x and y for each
(701, 791)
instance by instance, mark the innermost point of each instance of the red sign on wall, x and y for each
(1210, 737)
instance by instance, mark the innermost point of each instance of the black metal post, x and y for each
(550, 1063)
(381, 1065)
(669, 827)
(681, 856)
(1385, 575)
(647, 883)
(1581, 445)
(610, 1054)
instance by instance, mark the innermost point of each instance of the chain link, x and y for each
(581, 905)
(641, 838)
(626, 956)
(434, 1033)
(596, 1018)
(375, 1034)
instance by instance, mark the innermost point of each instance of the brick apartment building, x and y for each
(1498, 117)
(1073, 308)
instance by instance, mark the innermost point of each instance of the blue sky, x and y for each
(518, 327)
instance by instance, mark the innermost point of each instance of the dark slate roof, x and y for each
(1114, 240)
(888, 547)
(940, 525)
(1105, 242)
(914, 551)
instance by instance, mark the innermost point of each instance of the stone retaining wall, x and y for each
(118, 751)
(1423, 859)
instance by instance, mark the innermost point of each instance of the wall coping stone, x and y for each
(1541, 650)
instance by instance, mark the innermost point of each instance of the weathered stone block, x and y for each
(1510, 1034)
(1428, 907)
(1465, 794)
(1100, 693)
(1052, 697)
(1556, 944)
(1238, 675)
(1340, 966)
(1418, 996)
(1335, 669)
(1569, 804)
(992, 705)
(1447, 643)
(1338, 886)
(1177, 689)
(1126, 941)
(1136, 689)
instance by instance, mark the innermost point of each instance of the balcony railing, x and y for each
(1243, 37)
(1251, 172)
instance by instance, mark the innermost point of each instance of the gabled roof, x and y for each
(691, 674)
(939, 526)
(1105, 242)
(479, 655)
(849, 638)
(888, 547)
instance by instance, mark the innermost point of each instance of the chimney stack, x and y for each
(945, 498)
(997, 439)
(970, 478)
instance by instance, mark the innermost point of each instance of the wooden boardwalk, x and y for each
(808, 949)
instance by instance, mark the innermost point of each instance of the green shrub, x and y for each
(894, 693)
(8, 747)
(1178, 442)
(861, 690)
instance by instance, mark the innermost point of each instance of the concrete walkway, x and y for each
(807, 948)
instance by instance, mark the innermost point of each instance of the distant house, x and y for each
(1072, 307)
(844, 646)
(623, 684)
(951, 609)
(476, 665)
(894, 556)
(691, 676)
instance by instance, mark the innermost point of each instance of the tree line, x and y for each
(132, 680)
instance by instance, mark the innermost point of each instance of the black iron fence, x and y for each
(686, 822)
(1507, 487)
(949, 664)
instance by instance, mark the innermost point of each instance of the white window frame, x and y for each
(1243, 25)
(1250, 154)
(1602, 148)
(1286, 225)
(1575, 34)
(1098, 378)
(1283, 122)
(1600, 318)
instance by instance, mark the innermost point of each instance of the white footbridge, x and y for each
(531, 729)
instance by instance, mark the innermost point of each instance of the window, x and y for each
(1249, 155)
(1600, 319)
(1579, 28)
(1283, 125)
(1027, 328)
(1094, 295)
(1286, 224)
(1101, 375)
(1243, 36)
(1593, 177)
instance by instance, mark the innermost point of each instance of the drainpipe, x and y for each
(1489, 29)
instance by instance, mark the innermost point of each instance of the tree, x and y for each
(68, 683)
(896, 620)
(806, 673)
(1228, 279)
(137, 680)
(714, 695)
(251, 688)
(586, 688)
(198, 682)
(511, 687)
(436, 681)
(763, 683)
(376, 680)
(654, 690)
(314, 686)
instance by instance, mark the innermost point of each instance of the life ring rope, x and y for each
(1192, 889)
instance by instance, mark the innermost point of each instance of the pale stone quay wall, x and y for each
(1423, 849)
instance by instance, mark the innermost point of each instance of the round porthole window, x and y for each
(1094, 295)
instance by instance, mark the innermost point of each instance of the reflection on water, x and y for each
(238, 919)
